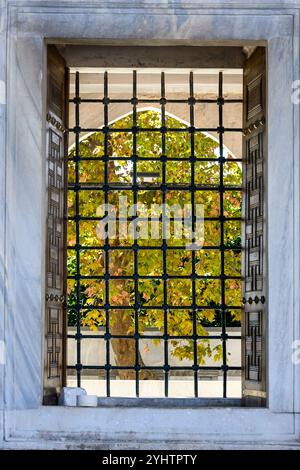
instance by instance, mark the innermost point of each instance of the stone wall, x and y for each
(26, 25)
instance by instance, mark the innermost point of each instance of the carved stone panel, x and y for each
(54, 342)
(254, 214)
(55, 255)
(55, 211)
(254, 230)
(254, 97)
(253, 337)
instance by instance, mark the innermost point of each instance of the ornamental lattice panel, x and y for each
(255, 213)
(55, 256)
(254, 255)
(55, 321)
(254, 346)
(54, 342)
(55, 211)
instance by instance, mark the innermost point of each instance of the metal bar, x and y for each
(223, 292)
(167, 276)
(166, 187)
(148, 247)
(194, 241)
(106, 246)
(135, 244)
(128, 130)
(157, 219)
(187, 368)
(77, 234)
(156, 159)
(164, 236)
(159, 307)
(145, 336)
(157, 101)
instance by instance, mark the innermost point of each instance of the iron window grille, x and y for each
(77, 187)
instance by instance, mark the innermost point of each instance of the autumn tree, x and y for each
(179, 262)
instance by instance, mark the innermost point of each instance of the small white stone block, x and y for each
(87, 400)
(68, 396)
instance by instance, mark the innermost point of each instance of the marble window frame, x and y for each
(29, 25)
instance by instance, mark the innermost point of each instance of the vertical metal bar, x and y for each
(164, 234)
(77, 230)
(223, 291)
(192, 160)
(106, 244)
(135, 245)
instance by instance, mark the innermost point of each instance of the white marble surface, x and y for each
(25, 226)
(22, 206)
(156, 388)
(2, 197)
(280, 187)
(151, 26)
(108, 428)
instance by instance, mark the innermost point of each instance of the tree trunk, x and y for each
(121, 323)
(124, 349)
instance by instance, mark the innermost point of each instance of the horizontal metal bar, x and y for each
(153, 100)
(170, 368)
(161, 338)
(141, 247)
(109, 130)
(157, 278)
(194, 159)
(153, 219)
(159, 307)
(168, 187)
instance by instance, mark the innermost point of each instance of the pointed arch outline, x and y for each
(156, 110)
